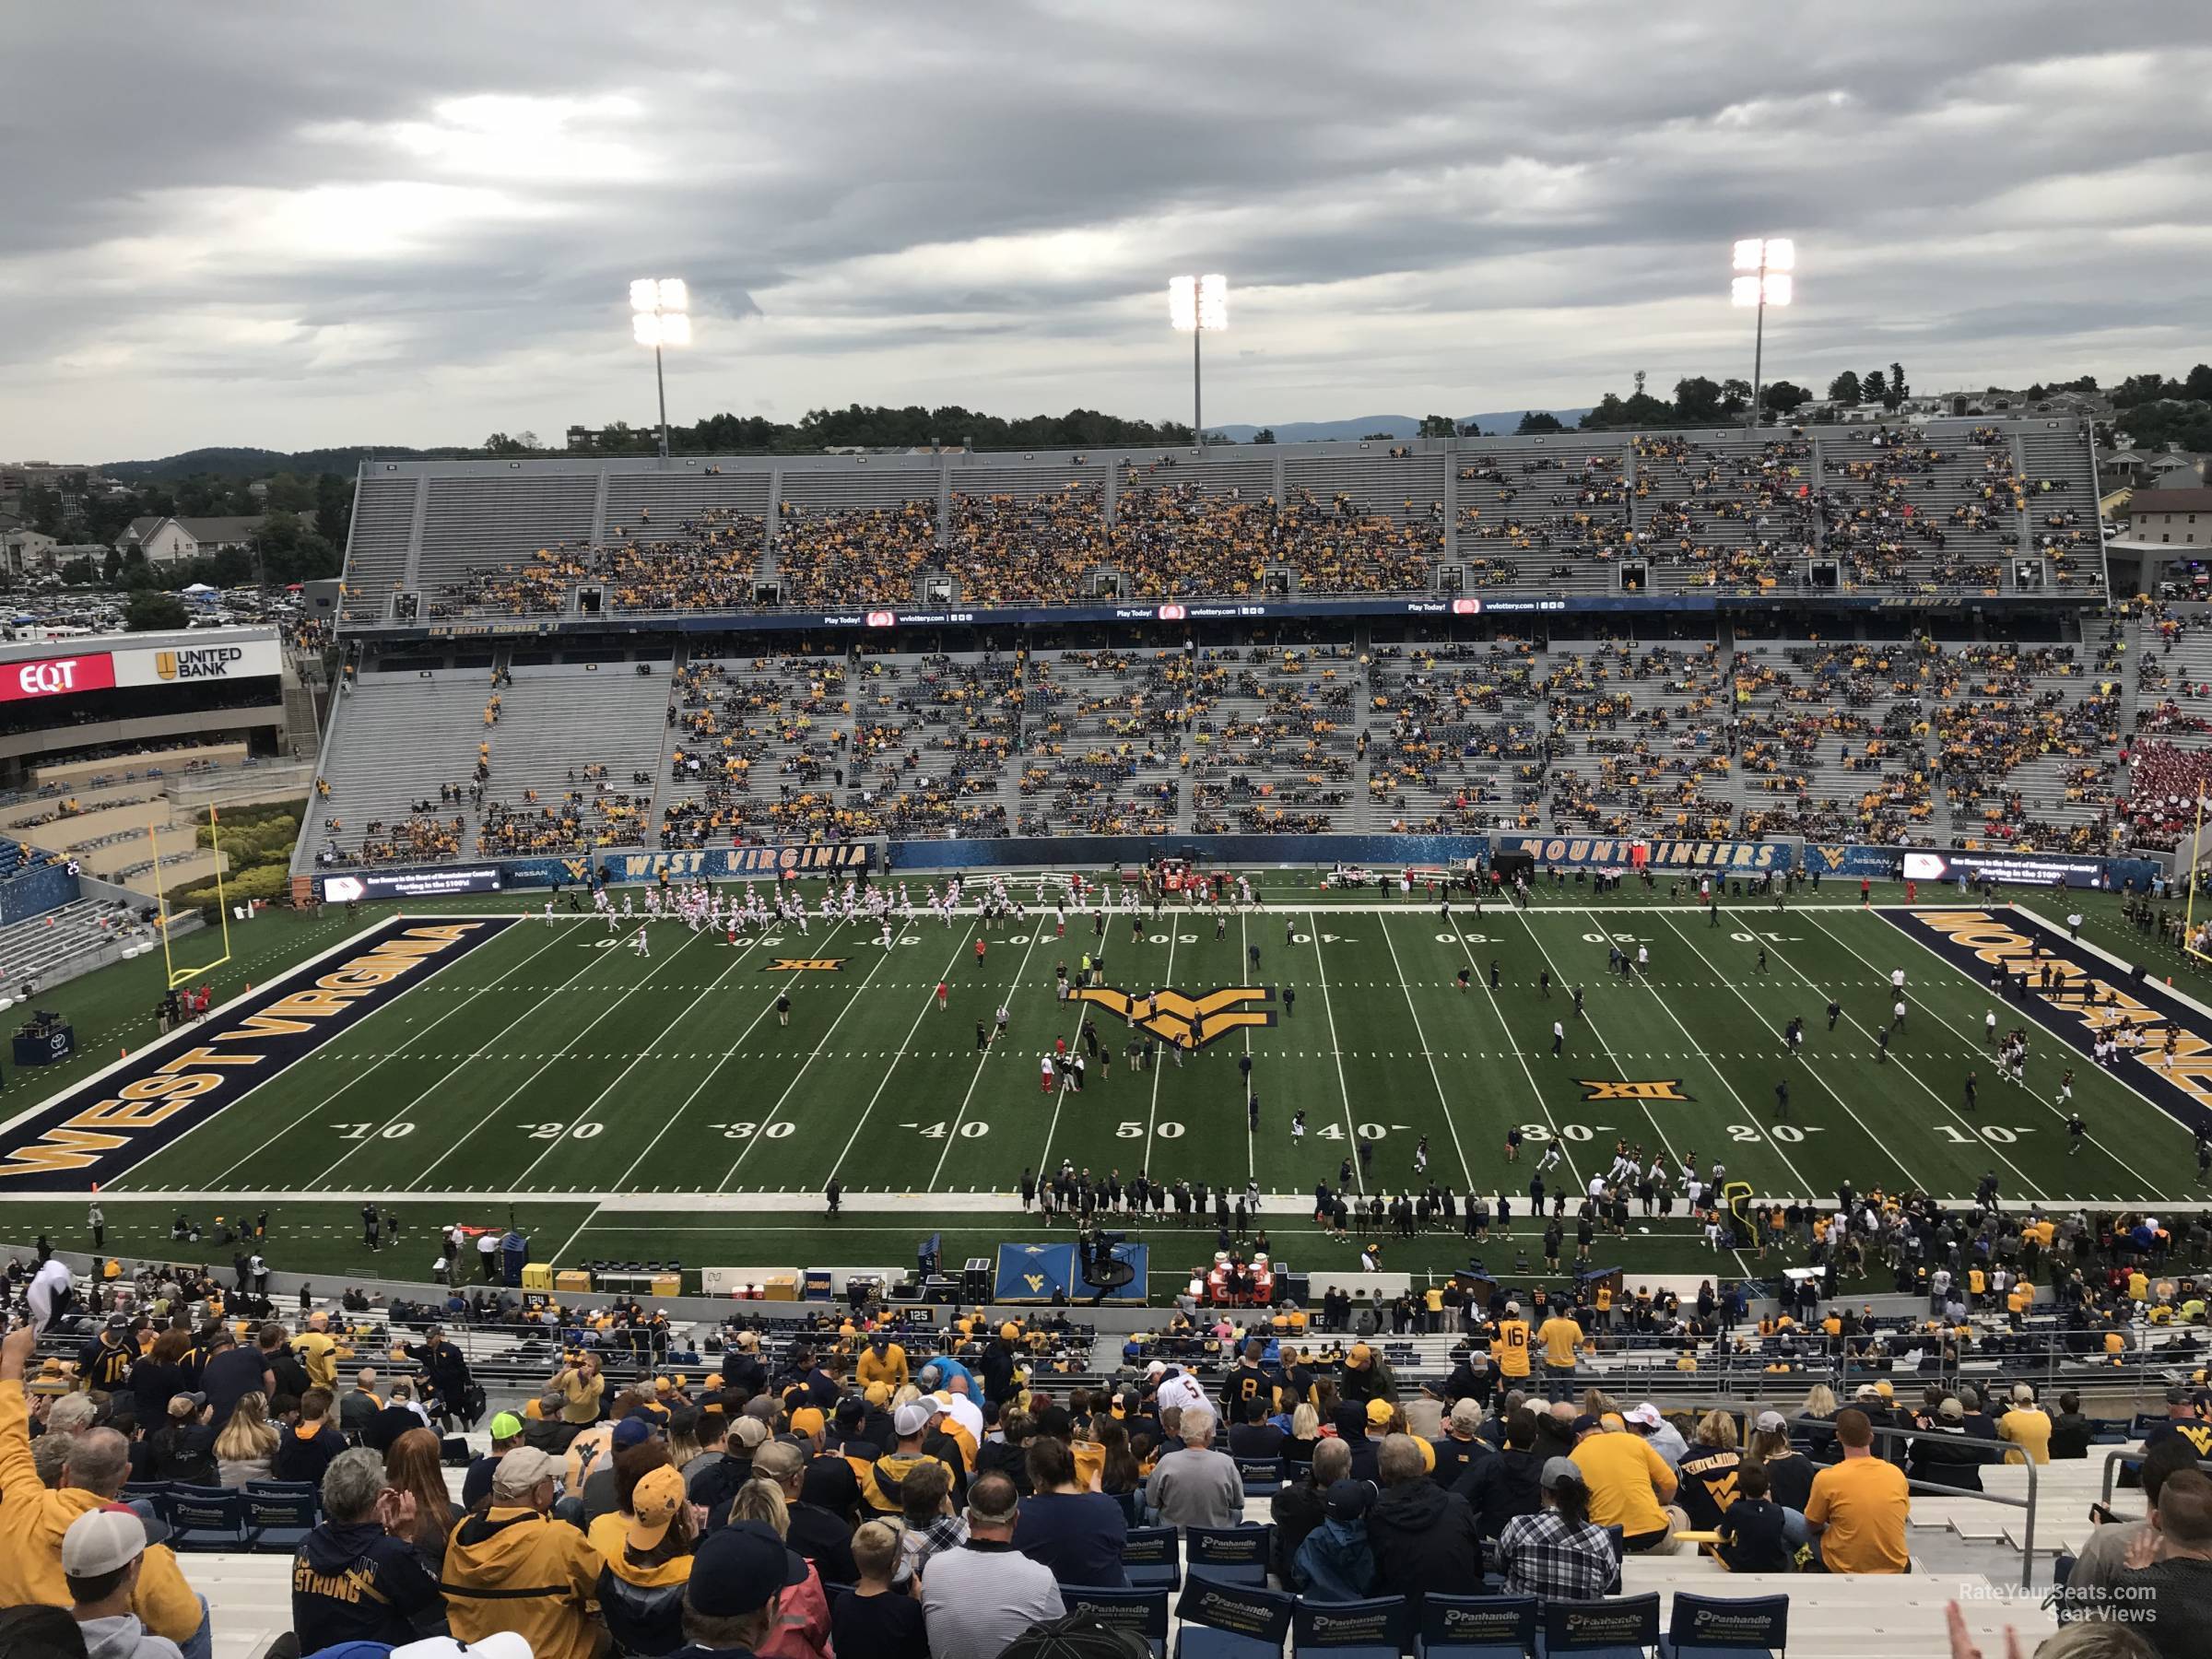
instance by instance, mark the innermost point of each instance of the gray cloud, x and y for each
(287, 226)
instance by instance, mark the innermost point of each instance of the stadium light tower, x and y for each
(1196, 304)
(1767, 263)
(660, 314)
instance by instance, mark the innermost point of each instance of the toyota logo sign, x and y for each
(56, 676)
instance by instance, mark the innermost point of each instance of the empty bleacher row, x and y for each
(1947, 508)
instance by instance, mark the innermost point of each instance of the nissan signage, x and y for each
(56, 676)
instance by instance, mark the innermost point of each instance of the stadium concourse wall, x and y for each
(1729, 860)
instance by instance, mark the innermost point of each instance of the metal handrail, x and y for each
(2120, 1454)
(1884, 1431)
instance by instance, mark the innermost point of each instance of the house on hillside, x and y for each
(169, 540)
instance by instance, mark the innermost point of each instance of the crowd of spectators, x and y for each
(1999, 706)
(706, 562)
(1737, 518)
(1101, 735)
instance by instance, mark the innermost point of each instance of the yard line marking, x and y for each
(551, 1060)
(1728, 1083)
(646, 1052)
(1649, 1116)
(2150, 1189)
(798, 1077)
(1691, 940)
(223, 1175)
(892, 1070)
(1060, 1094)
(953, 1134)
(1466, 1174)
(1919, 1082)
(1001, 1201)
(1329, 1008)
(1514, 1047)
(1152, 1115)
(1252, 1170)
(583, 1227)
(715, 1070)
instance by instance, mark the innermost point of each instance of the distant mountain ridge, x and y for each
(248, 462)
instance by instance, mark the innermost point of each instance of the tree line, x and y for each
(301, 539)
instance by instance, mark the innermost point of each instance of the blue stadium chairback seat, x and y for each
(1379, 1628)
(207, 1518)
(1142, 1613)
(280, 1513)
(1263, 1476)
(1478, 1626)
(1230, 1622)
(1728, 1627)
(1236, 1555)
(1624, 1627)
(1151, 1556)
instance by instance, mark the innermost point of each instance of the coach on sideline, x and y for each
(33, 1519)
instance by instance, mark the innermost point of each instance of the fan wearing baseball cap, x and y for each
(506, 1434)
(641, 1587)
(35, 1518)
(511, 1567)
(100, 1555)
(883, 1485)
(735, 1592)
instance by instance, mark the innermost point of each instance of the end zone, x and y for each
(108, 1124)
(2023, 944)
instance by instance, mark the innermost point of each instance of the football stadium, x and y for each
(1590, 1038)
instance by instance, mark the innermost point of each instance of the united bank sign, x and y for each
(190, 665)
(213, 663)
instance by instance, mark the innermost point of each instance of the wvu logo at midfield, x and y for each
(1186, 1021)
(1663, 1089)
(807, 965)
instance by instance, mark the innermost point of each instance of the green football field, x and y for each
(655, 1107)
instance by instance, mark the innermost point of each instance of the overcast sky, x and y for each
(414, 223)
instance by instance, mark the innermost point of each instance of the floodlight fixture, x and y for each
(1197, 305)
(660, 308)
(1764, 263)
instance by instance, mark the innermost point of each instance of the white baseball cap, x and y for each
(102, 1541)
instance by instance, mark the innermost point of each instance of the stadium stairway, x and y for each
(556, 722)
(394, 738)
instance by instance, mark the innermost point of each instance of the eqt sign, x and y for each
(56, 676)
